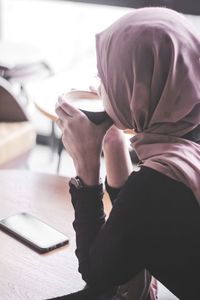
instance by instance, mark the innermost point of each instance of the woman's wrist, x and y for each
(89, 173)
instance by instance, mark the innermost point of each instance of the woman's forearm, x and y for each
(117, 158)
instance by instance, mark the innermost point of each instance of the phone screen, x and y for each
(34, 232)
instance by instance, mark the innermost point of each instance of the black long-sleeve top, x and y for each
(154, 224)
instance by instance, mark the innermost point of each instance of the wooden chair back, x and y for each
(10, 109)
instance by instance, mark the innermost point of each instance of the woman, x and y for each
(148, 63)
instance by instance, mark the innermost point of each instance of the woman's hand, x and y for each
(82, 140)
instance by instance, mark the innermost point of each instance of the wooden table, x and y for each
(25, 274)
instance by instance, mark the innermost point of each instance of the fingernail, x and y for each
(60, 99)
(56, 105)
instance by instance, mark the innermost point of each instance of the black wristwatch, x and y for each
(78, 183)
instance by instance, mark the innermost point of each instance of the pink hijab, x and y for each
(149, 64)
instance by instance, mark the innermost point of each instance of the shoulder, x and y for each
(148, 183)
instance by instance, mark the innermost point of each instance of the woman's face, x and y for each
(108, 108)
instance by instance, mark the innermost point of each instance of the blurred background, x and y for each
(47, 47)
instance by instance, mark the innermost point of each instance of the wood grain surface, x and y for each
(25, 274)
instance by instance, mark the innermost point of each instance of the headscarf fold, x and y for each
(149, 65)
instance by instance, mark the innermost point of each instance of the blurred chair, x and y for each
(17, 135)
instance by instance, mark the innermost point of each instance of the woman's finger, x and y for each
(62, 114)
(95, 90)
(60, 124)
(67, 107)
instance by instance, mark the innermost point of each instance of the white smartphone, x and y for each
(33, 232)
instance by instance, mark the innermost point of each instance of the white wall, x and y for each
(0, 19)
(64, 31)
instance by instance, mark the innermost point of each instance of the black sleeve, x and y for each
(89, 218)
(105, 250)
(112, 192)
(153, 224)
